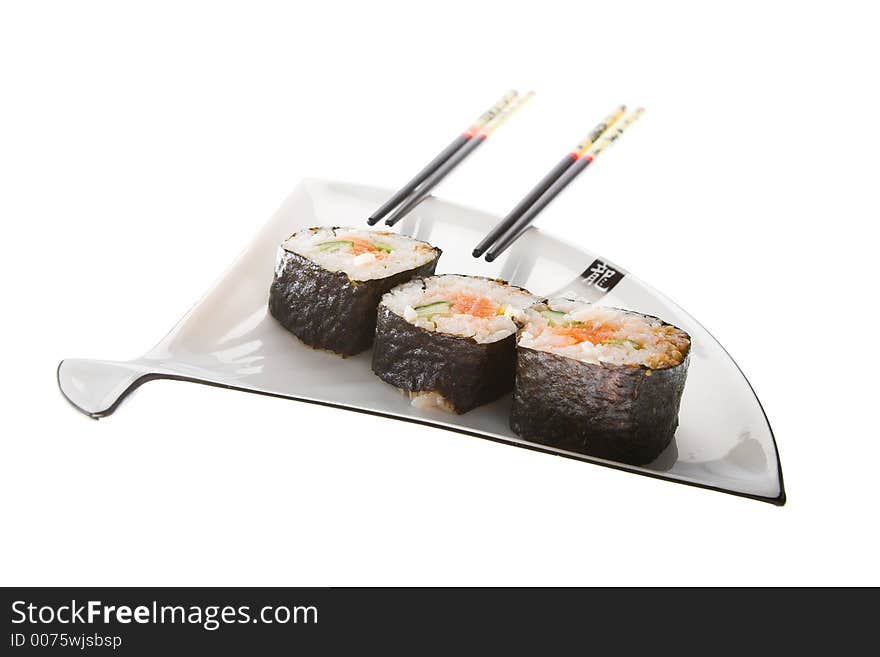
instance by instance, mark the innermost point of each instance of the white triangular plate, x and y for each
(723, 442)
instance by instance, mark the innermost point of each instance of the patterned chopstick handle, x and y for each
(614, 133)
(597, 132)
(499, 120)
(492, 112)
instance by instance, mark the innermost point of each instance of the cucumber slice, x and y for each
(555, 317)
(383, 247)
(336, 245)
(436, 308)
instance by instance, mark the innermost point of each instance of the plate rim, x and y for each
(779, 500)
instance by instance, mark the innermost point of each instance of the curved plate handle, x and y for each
(96, 387)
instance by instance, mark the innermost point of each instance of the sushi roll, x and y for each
(598, 381)
(449, 341)
(328, 282)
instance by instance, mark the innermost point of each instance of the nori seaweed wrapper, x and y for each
(328, 310)
(626, 413)
(467, 373)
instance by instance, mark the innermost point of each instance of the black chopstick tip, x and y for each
(477, 252)
(372, 221)
(490, 257)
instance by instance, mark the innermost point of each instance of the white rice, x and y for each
(427, 400)
(510, 301)
(406, 253)
(622, 337)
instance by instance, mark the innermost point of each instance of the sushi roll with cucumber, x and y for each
(449, 341)
(598, 381)
(328, 282)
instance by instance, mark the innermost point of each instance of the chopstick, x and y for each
(434, 179)
(547, 180)
(518, 227)
(444, 155)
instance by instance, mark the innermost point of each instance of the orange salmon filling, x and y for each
(470, 304)
(360, 245)
(578, 334)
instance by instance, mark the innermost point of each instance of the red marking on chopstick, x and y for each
(574, 156)
(589, 158)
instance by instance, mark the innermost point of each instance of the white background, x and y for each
(142, 144)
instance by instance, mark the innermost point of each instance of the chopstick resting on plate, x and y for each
(444, 155)
(472, 144)
(520, 225)
(549, 179)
